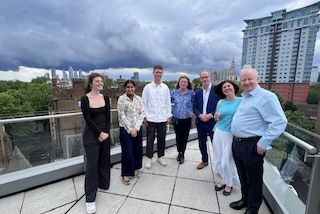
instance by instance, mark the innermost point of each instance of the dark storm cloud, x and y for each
(97, 34)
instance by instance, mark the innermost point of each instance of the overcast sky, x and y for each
(123, 36)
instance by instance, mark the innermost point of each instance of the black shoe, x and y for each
(225, 193)
(181, 161)
(251, 212)
(217, 188)
(238, 205)
(178, 157)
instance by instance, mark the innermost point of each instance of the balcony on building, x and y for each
(43, 172)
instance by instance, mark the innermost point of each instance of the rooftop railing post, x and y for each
(313, 199)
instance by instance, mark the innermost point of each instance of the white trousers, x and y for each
(222, 159)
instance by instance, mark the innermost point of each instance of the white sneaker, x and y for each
(91, 207)
(148, 163)
(162, 161)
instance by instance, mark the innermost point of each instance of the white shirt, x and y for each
(205, 95)
(157, 102)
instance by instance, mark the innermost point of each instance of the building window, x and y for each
(298, 23)
(267, 29)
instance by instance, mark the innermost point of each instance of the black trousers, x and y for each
(152, 129)
(97, 155)
(250, 170)
(182, 129)
(131, 152)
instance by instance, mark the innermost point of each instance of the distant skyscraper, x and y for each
(75, 74)
(70, 72)
(135, 76)
(53, 73)
(281, 46)
(80, 73)
(64, 75)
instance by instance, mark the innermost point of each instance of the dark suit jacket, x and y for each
(211, 106)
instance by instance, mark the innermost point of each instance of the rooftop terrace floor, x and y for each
(174, 189)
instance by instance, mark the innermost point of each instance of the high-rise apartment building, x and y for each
(281, 46)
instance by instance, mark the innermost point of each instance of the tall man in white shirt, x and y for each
(157, 106)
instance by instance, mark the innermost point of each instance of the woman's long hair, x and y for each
(90, 80)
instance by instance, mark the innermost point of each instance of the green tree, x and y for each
(171, 84)
(6, 85)
(289, 105)
(314, 94)
(42, 79)
(39, 95)
(21, 132)
(7, 104)
(298, 118)
(196, 83)
(29, 98)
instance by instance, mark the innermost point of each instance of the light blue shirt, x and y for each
(226, 108)
(259, 114)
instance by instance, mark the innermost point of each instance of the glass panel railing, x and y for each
(288, 158)
(33, 141)
(49, 148)
(288, 172)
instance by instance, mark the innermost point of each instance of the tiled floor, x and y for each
(175, 189)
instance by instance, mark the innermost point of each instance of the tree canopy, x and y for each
(27, 98)
(314, 94)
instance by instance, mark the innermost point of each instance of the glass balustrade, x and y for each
(288, 169)
(31, 142)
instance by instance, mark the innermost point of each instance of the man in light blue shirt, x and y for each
(258, 121)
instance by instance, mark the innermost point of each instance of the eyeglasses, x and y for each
(205, 77)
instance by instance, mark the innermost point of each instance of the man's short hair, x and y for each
(157, 67)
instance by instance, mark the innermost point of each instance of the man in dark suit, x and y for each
(205, 102)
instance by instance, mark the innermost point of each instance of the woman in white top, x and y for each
(131, 116)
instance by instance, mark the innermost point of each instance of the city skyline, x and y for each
(125, 35)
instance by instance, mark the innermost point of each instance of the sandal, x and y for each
(137, 173)
(126, 180)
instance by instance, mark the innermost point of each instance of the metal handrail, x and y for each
(309, 148)
(25, 119)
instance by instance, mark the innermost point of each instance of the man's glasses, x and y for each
(205, 77)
